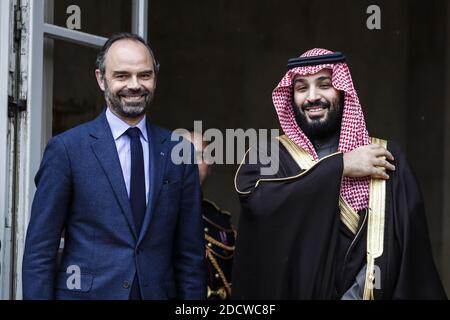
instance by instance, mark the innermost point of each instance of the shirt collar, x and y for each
(118, 126)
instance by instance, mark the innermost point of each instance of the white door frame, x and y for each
(5, 234)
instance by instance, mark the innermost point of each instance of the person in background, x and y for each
(219, 232)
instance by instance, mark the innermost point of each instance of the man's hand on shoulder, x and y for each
(370, 160)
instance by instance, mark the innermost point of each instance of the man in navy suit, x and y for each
(131, 217)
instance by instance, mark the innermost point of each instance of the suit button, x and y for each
(126, 284)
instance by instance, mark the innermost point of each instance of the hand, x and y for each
(369, 160)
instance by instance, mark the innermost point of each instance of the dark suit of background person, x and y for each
(81, 189)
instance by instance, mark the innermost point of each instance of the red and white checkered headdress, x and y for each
(353, 127)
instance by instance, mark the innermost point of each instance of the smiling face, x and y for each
(317, 104)
(129, 82)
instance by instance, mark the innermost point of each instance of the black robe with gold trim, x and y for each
(292, 243)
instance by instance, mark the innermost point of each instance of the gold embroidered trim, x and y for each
(375, 227)
(348, 216)
(303, 158)
(221, 293)
(274, 179)
(218, 243)
(219, 270)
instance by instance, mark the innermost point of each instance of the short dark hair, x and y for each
(101, 57)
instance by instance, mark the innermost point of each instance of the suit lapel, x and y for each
(158, 153)
(105, 150)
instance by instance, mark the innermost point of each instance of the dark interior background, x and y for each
(221, 59)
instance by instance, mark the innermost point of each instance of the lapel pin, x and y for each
(162, 153)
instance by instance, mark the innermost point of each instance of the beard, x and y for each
(128, 109)
(323, 127)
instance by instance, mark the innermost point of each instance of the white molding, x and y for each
(55, 32)
(30, 132)
(5, 234)
(48, 76)
(140, 18)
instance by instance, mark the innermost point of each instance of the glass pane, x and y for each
(76, 95)
(100, 17)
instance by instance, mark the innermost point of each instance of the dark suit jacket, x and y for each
(80, 189)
